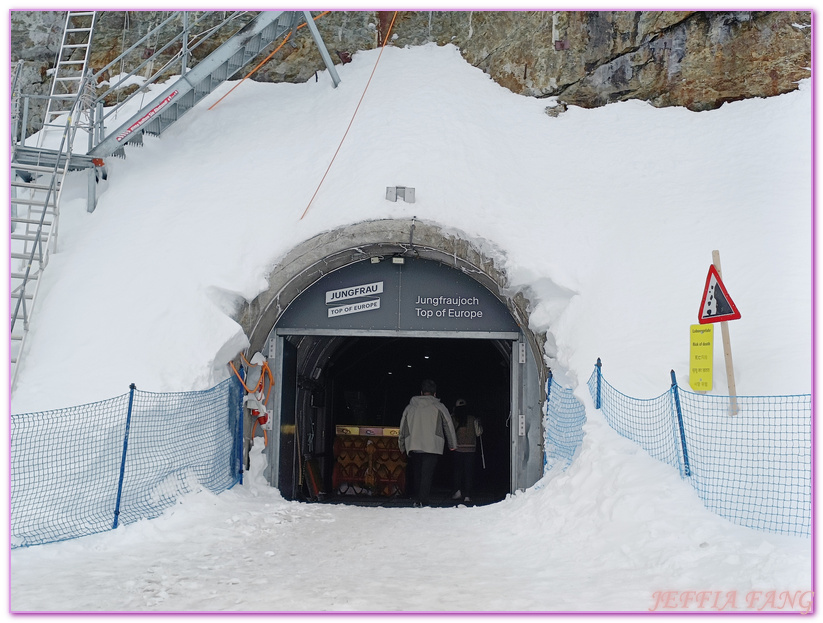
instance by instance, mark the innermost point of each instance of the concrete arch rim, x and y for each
(315, 257)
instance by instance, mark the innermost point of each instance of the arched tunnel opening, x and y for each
(351, 324)
(350, 393)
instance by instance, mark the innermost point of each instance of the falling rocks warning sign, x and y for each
(716, 305)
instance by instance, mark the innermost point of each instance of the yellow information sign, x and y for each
(701, 357)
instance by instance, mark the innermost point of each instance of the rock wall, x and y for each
(696, 59)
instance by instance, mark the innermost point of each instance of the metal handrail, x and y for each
(162, 71)
(37, 251)
(213, 30)
(100, 72)
(17, 70)
(15, 101)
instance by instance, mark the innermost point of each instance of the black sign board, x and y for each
(418, 295)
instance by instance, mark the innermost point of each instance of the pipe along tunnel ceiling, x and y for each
(354, 319)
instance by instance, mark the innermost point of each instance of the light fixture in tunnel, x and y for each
(398, 260)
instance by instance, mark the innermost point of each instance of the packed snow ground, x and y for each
(591, 539)
(605, 219)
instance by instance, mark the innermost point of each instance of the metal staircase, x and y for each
(37, 171)
(69, 71)
(36, 188)
(221, 65)
(37, 174)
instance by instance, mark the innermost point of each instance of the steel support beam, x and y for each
(318, 41)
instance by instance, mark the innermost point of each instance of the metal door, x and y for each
(283, 460)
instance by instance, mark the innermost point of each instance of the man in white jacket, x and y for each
(425, 427)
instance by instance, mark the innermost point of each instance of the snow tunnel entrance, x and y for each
(350, 351)
(343, 444)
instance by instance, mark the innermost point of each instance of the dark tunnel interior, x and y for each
(368, 381)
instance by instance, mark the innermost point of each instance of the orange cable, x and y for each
(242, 382)
(263, 62)
(266, 371)
(383, 47)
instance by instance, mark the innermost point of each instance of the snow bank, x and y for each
(606, 218)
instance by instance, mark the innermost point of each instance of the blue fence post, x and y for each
(598, 365)
(548, 399)
(686, 469)
(240, 441)
(132, 387)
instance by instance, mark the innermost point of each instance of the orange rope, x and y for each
(266, 371)
(383, 47)
(242, 382)
(264, 61)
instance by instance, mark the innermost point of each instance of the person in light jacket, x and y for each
(468, 429)
(425, 428)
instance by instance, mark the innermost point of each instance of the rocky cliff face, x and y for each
(696, 59)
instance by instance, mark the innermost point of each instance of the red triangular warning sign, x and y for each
(717, 305)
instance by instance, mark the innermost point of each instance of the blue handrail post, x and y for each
(686, 469)
(132, 387)
(598, 365)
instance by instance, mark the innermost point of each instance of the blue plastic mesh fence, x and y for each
(66, 464)
(752, 467)
(65, 467)
(749, 456)
(178, 443)
(646, 422)
(562, 426)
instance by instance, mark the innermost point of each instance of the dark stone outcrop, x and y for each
(696, 59)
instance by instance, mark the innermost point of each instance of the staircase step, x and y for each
(33, 275)
(36, 168)
(29, 221)
(60, 125)
(35, 187)
(34, 202)
(36, 215)
(23, 256)
(25, 237)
